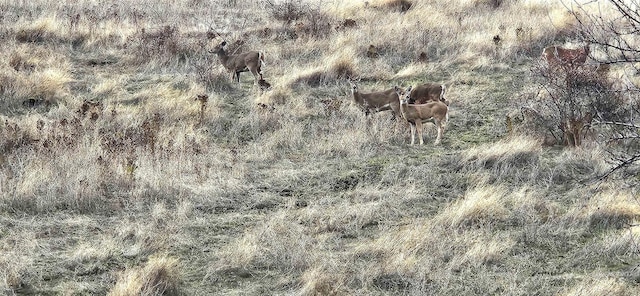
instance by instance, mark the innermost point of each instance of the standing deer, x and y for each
(248, 61)
(417, 114)
(424, 93)
(565, 57)
(375, 101)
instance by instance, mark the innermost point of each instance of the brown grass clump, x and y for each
(320, 281)
(337, 67)
(34, 76)
(511, 151)
(159, 276)
(43, 29)
(481, 206)
(611, 209)
(277, 244)
(598, 285)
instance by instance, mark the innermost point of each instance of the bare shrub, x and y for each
(309, 21)
(287, 11)
(209, 74)
(566, 103)
(317, 24)
(13, 136)
(118, 138)
(163, 44)
(612, 31)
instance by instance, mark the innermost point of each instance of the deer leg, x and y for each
(440, 130)
(257, 73)
(419, 128)
(256, 76)
(238, 76)
(413, 132)
(259, 70)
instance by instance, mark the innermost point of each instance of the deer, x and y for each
(417, 114)
(565, 57)
(575, 129)
(251, 61)
(375, 101)
(428, 92)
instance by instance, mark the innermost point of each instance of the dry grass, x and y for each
(159, 276)
(116, 179)
(481, 206)
(599, 286)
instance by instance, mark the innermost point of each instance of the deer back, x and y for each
(424, 112)
(374, 99)
(236, 62)
(247, 59)
(565, 56)
(381, 98)
(427, 92)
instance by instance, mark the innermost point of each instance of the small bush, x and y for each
(162, 44)
(308, 21)
(287, 11)
(567, 102)
(209, 74)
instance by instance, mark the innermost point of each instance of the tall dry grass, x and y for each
(117, 177)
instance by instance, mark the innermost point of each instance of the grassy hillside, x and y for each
(115, 179)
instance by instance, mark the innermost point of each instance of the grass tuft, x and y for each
(159, 276)
(481, 206)
(611, 209)
(598, 286)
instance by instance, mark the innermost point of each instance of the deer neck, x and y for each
(403, 110)
(223, 56)
(356, 96)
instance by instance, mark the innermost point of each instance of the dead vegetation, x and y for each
(130, 164)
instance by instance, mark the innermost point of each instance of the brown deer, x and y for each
(575, 129)
(417, 114)
(375, 101)
(248, 61)
(565, 57)
(425, 93)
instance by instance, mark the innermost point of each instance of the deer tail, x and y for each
(442, 97)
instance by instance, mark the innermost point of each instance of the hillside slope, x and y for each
(115, 179)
